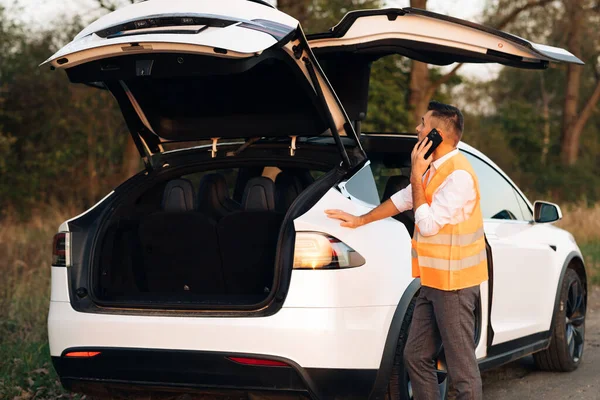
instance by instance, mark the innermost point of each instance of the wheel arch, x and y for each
(575, 262)
(391, 342)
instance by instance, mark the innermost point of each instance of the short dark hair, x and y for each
(450, 115)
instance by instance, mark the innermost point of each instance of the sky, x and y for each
(42, 12)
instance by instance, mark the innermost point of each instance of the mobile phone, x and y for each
(435, 137)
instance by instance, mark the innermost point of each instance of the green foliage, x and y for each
(57, 140)
(388, 96)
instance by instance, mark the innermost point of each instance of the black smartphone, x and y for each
(435, 137)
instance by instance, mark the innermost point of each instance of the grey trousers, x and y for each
(448, 318)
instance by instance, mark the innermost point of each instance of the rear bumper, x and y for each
(172, 370)
(330, 351)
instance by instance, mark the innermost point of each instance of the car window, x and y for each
(525, 210)
(499, 200)
(362, 186)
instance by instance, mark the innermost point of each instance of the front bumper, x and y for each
(172, 370)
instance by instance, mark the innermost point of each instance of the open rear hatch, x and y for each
(347, 50)
(190, 71)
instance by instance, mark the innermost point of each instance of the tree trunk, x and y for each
(579, 124)
(419, 81)
(546, 117)
(569, 142)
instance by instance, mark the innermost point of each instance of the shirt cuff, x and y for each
(422, 212)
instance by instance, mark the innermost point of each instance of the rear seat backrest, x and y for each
(178, 196)
(287, 188)
(179, 246)
(213, 197)
(248, 240)
(259, 195)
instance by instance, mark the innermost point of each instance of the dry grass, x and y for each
(583, 222)
(25, 367)
(25, 370)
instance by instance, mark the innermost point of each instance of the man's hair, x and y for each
(450, 115)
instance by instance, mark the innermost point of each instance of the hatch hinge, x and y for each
(293, 146)
(213, 150)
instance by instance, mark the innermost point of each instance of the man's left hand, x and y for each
(419, 163)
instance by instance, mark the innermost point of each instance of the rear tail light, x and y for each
(316, 250)
(258, 362)
(82, 354)
(61, 250)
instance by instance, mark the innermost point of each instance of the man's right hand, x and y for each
(348, 220)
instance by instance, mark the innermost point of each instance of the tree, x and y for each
(423, 88)
(574, 120)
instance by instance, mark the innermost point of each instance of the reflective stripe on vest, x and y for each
(454, 258)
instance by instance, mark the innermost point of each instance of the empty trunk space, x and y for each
(206, 238)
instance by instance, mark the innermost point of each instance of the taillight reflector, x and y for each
(61, 249)
(258, 362)
(82, 354)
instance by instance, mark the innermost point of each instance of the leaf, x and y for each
(30, 381)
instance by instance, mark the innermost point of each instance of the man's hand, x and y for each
(348, 220)
(419, 164)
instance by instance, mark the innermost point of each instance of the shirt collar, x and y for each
(438, 163)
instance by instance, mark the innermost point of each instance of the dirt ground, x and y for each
(520, 379)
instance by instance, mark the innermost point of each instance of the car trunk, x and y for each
(206, 238)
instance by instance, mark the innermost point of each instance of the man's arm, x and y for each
(399, 202)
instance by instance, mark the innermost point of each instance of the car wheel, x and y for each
(566, 343)
(399, 387)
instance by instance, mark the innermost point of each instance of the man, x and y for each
(448, 255)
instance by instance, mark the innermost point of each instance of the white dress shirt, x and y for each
(452, 203)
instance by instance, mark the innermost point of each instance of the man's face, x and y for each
(425, 126)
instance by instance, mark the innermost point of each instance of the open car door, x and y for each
(361, 37)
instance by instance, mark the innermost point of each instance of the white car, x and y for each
(216, 268)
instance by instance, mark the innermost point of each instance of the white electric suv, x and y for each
(216, 269)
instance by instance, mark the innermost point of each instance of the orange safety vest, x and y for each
(455, 257)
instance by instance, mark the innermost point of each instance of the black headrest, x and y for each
(259, 195)
(287, 187)
(213, 196)
(394, 184)
(178, 196)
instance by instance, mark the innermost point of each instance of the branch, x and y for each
(515, 13)
(110, 6)
(590, 105)
(507, 20)
(107, 6)
(442, 80)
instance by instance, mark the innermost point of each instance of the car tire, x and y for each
(567, 341)
(399, 387)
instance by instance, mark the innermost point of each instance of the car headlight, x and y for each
(315, 250)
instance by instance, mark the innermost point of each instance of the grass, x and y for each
(25, 248)
(25, 368)
(584, 223)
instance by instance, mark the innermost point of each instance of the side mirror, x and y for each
(544, 212)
